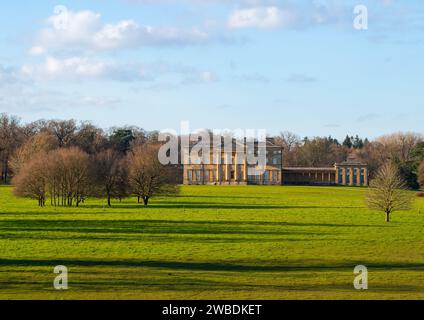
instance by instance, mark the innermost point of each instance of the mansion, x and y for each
(233, 169)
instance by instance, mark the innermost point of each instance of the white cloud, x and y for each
(261, 17)
(68, 69)
(290, 15)
(85, 68)
(86, 30)
(37, 50)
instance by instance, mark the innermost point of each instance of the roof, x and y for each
(351, 163)
(236, 142)
(308, 169)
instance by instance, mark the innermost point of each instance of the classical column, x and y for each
(358, 176)
(218, 160)
(227, 179)
(366, 177)
(186, 175)
(344, 176)
(236, 175)
(352, 175)
(337, 175)
(245, 170)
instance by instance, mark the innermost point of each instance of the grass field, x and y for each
(213, 243)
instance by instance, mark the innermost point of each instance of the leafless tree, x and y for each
(89, 138)
(10, 139)
(399, 146)
(387, 192)
(109, 175)
(42, 142)
(31, 182)
(61, 174)
(147, 176)
(63, 131)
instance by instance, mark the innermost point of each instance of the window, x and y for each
(190, 176)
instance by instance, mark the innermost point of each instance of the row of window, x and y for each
(268, 176)
(210, 176)
(273, 160)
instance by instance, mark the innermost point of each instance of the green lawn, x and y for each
(213, 243)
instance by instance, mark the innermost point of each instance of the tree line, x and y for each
(67, 176)
(61, 163)
(404, 150)
(75, 160)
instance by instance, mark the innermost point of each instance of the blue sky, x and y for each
(254, 64)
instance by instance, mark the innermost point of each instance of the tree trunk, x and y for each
(146, 201)
(108, 200)
(387, 216)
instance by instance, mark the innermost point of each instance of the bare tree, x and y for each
(147, 176)
(387, 192)
(31, 181)
(64, 131)
(61, 174)
(109, 175)
(42, 142)
(289, 140)
(73, 166)
(10, 139)
(400, 146)
(89, 138)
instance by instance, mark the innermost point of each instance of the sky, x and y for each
(286, 65)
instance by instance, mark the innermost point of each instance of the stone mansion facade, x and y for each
(233, 169)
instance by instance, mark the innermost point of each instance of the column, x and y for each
(186, 175)
(366, 177)
(218, 160)
(358, 176)
(337, 175)
(245, 169)
(352, 175)
(227, 168)
(236, 173)
(344, 176)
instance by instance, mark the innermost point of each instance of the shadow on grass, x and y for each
(251, 229)
(106, 224)
(214, 266)
(212, 205)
